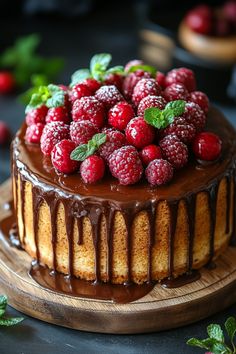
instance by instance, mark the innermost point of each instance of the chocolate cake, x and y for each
(114, 229)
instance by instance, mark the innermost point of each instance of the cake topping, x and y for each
(207, 146)
(123, 119)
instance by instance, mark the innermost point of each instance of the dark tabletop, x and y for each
(76, 40)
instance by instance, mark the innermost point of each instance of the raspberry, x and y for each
(131, 63)
(159, 172)
(181, 76)
(207, 146)
(92, 169)
(176, 92)
(126, 165)
(115, 140)
(120, 115)
(200, 19)
(144, 88)
(139, 133)
(33, 133)
(78, 91)
(194, 115)
(58, 114)
(60, 157)
(174, 151)
(81, 132)
(89, 108)
(5, 133)
(183, 130)
(53, 133)
(131, 80)
(150, 153)
(151, 101)
(36, 115)
(109, 95)
(115, 79)
(7, 82)
(201, 99)
(161, 79)
(92, 84)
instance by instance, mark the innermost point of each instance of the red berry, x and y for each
(201, 99)
(109, 95)
(131, 80)
(114, 140)
(181, 76)
(161, 79)
(150, 153)
(125, 164)
(176, 92)
(120, 115)
(81, 132)
(174, 151)
(132, 63)
(58, 114)
(151, 101)
(194, 115)
(5, 133)
(89, 108)
(92, 84)
(36, 115)
(60, 157)
(139, 133)
(7, 82)
(53, 133)
(143, 88)
(115, 79)
(78, 91)
(92, 169)
(34, 132)
(183, 130)
(200, 20)
(159, 172)
(207, 146)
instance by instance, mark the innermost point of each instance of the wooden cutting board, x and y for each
(159, 310)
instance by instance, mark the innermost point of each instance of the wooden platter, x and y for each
(159, 310)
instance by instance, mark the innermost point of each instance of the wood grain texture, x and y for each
(159, 310)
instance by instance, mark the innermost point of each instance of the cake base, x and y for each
(158, 310)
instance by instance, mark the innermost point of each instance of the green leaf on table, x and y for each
(79, 76)
(3, 304)
(230, 326)
(215, 332)
(81, 152)
(7, 322)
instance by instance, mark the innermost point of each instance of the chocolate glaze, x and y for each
(107, 197)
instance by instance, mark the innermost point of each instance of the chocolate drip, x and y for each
(233, 237)
(37, 200)
(128, 216)
(212, 200)
(22, 197)
(95, 214)
(53, 213)
(228, 195)
(69, 222)
(173, 210)
(191, 210)
(110, 215)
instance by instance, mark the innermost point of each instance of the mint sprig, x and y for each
(151, 69)
(4, 321)
(215, 343)
(51, 96)
(80, 153)
(98, 69)
(160, 119)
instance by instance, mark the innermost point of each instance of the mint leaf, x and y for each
(99, 139)
(215, 332)
(57, 98)
(80, 153)
(177, 107)
(35, 102)
(10, 321)
(3, 304)
(198, 343)
(230, 326)
(79, 75)
(115, 70)
(147, 68)
(100, 62)
(159, 119)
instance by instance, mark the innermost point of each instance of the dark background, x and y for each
(75, 30)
